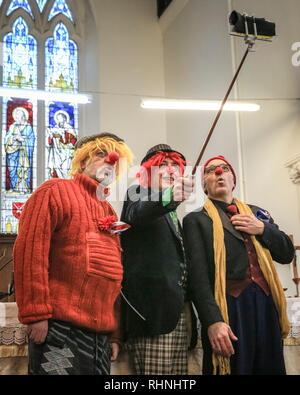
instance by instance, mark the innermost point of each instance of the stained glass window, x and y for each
(19, 57)
(61, 61)
(19, 116)
(19, 4)
(62, 118)
(41, 4)
(18, 125)
(60, 7)
(61, 137)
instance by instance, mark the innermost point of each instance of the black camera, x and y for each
(263, 27)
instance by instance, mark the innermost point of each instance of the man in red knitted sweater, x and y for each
(67, 265)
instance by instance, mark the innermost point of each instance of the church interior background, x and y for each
(117, 51)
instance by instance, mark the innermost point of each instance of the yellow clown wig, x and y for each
(87, 147)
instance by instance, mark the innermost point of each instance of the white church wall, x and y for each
(273, 137)
(198, 66)
(199, 58)
(130, 65)
(194, 57)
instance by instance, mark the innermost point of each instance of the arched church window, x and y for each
(62, 118)
(15, 4)
(60, 7)
(41, 4)
(23, 131)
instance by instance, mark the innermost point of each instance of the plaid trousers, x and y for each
(163, 354)
(68, 350)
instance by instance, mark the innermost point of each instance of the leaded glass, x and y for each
(18, 125)
(61, 137)
(18, 159)
(41, 4)
(19, 57)
(60, 7)
(19, 116)
(61, 118)
(19, 4)
(61, 61)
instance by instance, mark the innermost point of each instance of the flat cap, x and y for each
(159, 147)
(92, 137)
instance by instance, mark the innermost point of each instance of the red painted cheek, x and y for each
(218, 171)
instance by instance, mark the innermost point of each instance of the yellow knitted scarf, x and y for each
(266, 265)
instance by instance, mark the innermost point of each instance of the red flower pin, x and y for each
(106, 223)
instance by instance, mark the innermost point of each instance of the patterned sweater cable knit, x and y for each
(65, 267)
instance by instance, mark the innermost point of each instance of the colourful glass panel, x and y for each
(60, 7)
(18, 159)
(19, 57)
(41, 4)
(15, 4)
(18, 147)
(61, 137)
(61, 118)
(61, 61)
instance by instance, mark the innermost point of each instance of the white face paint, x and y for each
(106, 174)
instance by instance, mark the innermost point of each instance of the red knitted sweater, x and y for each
(65, 267)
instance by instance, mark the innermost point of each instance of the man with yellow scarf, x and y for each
(234, 285)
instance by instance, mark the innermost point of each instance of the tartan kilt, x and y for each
(165, 354)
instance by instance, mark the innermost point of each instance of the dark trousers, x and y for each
(254, 320)
(70, 351)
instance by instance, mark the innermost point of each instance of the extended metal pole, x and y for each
(250, 45)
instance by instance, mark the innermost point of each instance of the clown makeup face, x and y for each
(97, 168)
(163, 176)
(218, 180)
(106, 174)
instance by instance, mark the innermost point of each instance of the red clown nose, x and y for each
(218, 171)
(112, 158)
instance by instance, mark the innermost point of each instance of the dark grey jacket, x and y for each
(152, 253)
(198, 241)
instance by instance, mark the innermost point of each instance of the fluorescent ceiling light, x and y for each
(44, 95)
(202, 105)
